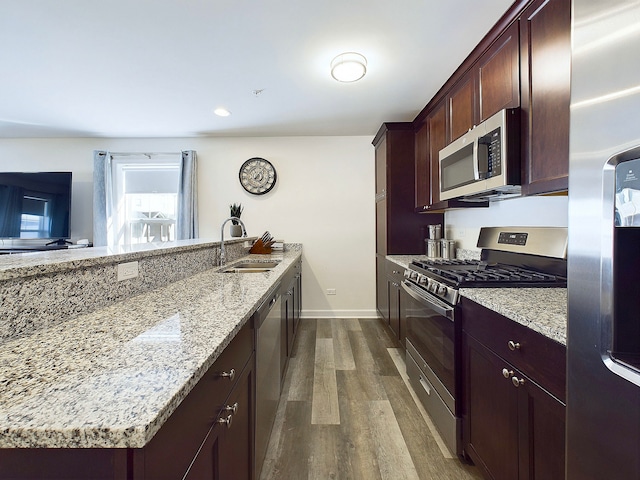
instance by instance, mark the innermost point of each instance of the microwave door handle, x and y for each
(476, 162)
(480, 158)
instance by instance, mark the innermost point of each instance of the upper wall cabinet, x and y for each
(498, 75)
(399, 230)
(545, 63)
(491, 84)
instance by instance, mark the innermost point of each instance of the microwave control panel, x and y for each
(493, 154)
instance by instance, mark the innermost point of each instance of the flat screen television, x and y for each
(35, 205)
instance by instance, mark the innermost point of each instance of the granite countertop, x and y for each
(543, 310)
(111, 378)
(52, 261)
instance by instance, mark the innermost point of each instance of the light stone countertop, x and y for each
(52, 261)
(111, 378)
(543, 310)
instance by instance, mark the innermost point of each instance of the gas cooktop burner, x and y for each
(476, 273)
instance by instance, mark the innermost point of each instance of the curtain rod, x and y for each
(146, 154)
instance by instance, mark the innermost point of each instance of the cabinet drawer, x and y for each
(540, 358)
(394, 271)
(234, 357)
(182, 434)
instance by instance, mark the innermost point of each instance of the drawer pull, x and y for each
(230, 374)
(513, 345)
(231, 408)
(517, 381)
(507, 373)
(228, 420)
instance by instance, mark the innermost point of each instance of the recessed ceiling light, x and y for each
(222, 112)
(348, 67)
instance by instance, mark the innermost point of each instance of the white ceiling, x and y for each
(158, 68)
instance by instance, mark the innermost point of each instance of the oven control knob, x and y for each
(407, 273)
(442, 290)
(414, 275)
(423, 280)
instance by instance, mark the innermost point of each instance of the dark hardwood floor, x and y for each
(346, 411)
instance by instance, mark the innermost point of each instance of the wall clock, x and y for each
(257, 176)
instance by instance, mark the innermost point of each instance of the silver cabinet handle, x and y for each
(231, 408)
(228, 420)
(517, 381)
(513, 345)
(507, 373)
(230, 374)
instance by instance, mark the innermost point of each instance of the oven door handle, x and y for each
(430, 300)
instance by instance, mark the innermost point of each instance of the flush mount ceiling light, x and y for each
(348, 67)
(222, 112)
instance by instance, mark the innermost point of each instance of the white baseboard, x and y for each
(339, 314)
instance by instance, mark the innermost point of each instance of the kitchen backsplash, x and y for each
(464, 225)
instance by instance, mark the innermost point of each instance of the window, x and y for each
(145, 198)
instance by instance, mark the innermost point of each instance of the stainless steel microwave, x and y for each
(485, 162)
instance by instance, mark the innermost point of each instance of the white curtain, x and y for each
(104, 233)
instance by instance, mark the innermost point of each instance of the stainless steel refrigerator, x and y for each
(603, 396)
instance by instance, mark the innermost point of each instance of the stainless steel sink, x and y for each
(268, 265)
(250, 267)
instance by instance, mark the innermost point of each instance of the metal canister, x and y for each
(448, 248)
(433, 248)
(435, 232)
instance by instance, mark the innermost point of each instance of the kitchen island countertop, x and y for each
(111, 378)
(543, 310)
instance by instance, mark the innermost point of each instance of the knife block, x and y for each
(260, 247)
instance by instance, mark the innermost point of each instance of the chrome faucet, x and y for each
(244, 234)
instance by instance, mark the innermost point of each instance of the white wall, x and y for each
(464, 225)
(324, 199)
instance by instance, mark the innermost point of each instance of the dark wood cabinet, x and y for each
(545, 63)
(291, 299)
(498, 75)
(437, 128)
(491, 84)
(382, 287)
(399, 229)
(227, 451)
(461, 107)
(513, 408)
(395, 274)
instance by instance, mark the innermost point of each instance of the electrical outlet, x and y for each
(331, 291)
(127, 270)
(460, 232)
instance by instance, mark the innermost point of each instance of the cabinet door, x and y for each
(545, 62)
(381, 227)
(227, 451)
(437, 129)
(382, 291)
(423, 167)
(394, 306)
(490, 412)
(461, 101)
(381, 167)
(542, 434)
(499, 75)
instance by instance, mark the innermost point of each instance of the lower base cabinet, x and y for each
(227, 451)
(513, 427)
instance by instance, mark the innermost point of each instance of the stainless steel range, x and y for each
(511, 257)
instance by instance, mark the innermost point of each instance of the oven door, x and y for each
(431, 331)
(431, 359)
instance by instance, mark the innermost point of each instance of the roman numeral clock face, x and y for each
(257, 176)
